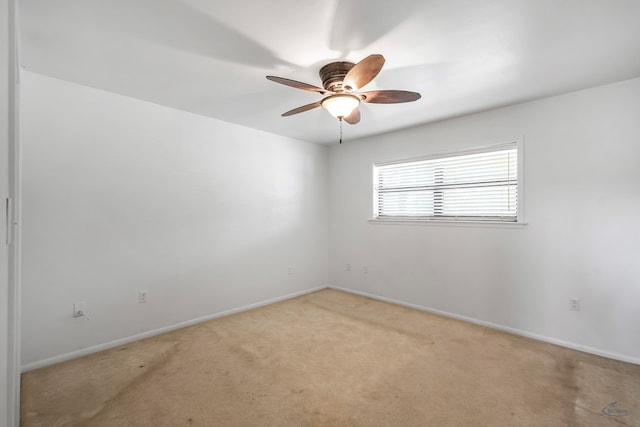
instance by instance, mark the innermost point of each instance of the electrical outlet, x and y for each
(142, 297)
(79, 309)
(290, 271)
(365, 270)
(574, 304)
(348, 267)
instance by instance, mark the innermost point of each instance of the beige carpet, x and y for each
(334, 359)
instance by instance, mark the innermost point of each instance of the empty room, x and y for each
(336, 213)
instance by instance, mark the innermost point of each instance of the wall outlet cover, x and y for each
(142, 297)
(574, 304)
(79, 309)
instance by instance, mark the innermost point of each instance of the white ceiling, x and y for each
(211, 57)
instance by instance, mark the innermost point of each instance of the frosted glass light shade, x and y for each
(340, 105)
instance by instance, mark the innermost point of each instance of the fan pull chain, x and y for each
(340, 129)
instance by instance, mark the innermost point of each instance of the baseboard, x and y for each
(121, 341)
(115, 343)
(562, 343)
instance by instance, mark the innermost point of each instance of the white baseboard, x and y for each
(154, 332)
(121, 341)
(562, 343)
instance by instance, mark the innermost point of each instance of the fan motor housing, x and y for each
(333, 74)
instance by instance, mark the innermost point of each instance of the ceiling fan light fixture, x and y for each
(340, 105)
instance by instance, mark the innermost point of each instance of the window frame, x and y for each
(517, 143)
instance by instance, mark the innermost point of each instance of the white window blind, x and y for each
(478, 186)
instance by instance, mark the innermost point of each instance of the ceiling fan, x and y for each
(341, 83)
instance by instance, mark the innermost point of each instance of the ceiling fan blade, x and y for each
(363, 72)
(389, 96)
(302, 109)
(354, 117)
(297, 84)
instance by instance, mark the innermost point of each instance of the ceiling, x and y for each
(211, 57)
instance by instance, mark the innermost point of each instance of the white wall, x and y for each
(121, 195)
(582, 197)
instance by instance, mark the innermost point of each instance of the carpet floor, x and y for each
(334, 359)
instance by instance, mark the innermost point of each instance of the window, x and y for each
(477, 185)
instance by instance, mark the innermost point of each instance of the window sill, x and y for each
(449, 223)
